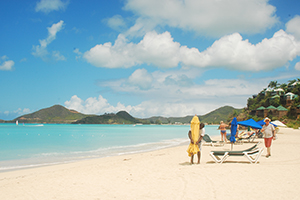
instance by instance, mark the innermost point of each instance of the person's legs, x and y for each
(199, 156)
(224, 136)
(268, 151)
(268, 142)
(192, 159)
(221, 136)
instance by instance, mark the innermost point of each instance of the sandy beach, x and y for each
(165, 174)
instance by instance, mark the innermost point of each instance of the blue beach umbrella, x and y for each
(251, 123)
(233, 129)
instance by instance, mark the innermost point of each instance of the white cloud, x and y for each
(293, 27)
(121, 54)
(6, 65)
(47, 6)
(4, 57)
(41, 50)
(76, 50)
(141, 78)
(23, 60)
(19, 111)
(230, 51)
(172, 93)
(116, 22)
(167, 101)
(79, 54)
(93, 105)
(180, 85)
(57, 56)
(156, 49)
(206, 17)
(235, 53)
(297, 66)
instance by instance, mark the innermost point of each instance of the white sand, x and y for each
(165, 174)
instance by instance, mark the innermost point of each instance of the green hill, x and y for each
(225, 113)
(54, 114)
(61, 115)
(121, 117)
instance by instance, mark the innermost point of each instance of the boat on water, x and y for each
(17, 122)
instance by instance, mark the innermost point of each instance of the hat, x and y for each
(267, 119)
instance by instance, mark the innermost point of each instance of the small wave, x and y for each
(53, 158)
(16, 167)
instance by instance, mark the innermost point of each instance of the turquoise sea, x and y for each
(32, 145)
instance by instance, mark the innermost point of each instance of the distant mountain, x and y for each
(61, 115)
(121, 117)
(169, 120)
(225, 113)
(54, 114)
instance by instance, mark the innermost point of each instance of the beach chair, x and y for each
(252, 154)
(211, 142)
(249, 138)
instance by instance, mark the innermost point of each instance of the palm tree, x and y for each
(291, 81)
(273, 84)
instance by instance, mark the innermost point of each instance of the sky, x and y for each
(168, 58)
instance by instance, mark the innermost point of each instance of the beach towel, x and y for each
(195, 124)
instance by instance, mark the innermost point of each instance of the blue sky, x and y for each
(150, 57)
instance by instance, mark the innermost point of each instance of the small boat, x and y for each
(17, 122)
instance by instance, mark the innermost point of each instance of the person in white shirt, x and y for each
(269, 135)
(198, 142)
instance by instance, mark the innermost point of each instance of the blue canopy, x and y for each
(261, 122)
(251, 123)
(233, 129)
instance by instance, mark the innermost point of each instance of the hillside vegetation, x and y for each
(59, 114)
(121, 117)
(286, 95)
(55, 114)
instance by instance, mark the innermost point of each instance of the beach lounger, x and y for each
(211, 142)
(249, 138)
(241, 139)
(252, 154)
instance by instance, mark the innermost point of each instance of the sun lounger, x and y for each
(249, 138)
(211, 142)
(241, 139)
(252, 154)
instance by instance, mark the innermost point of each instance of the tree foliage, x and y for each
(266, 98)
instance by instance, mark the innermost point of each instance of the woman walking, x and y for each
(269, 135)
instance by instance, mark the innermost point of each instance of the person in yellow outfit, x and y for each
(195, 134)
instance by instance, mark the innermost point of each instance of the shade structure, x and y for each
(250, 122)
(193, 148)
(278, 123)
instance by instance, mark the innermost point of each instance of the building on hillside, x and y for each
(270, 111)
(271, 108)
(290, 98)
(260, 111)
(281, 111)
(278, 91)
(275, 97)
(294, 84)
(278, 112)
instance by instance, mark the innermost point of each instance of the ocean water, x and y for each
(32, 145)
